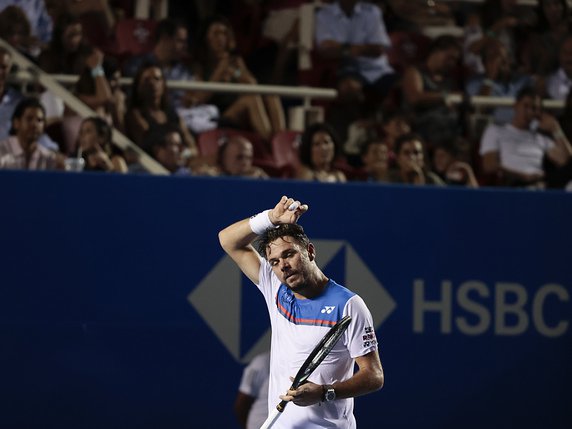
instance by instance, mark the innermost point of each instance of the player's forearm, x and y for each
(363, 382)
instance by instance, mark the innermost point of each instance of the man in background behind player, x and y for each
(303, 304)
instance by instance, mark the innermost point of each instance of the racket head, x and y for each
(322, 349)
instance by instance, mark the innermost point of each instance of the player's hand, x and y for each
(305, 395)
(287, 210)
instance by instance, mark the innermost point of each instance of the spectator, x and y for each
(16, 30)
(426, 89)
(393, 125)
(319, 148)
(559, 83)
(251, 403)
(507, 22)
(68, 48)
(217, 61)
(97, 149)
(170, 53)
(515, 151)
(552, 28)
(22, 149)
(40, 22)
(498, 80)
(149, 106)
(94, 89)
(375, 158)
(450, 169)
(9, 97)
(166, 144)
(410, 162)
(235, 158)
(354, 33)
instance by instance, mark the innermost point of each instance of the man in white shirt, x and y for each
(558, 84)
(516, 151)
(303, 304)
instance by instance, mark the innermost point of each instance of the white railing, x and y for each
(303, 92)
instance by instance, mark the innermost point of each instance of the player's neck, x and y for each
(314, 288)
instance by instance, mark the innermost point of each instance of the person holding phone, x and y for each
(516, 151)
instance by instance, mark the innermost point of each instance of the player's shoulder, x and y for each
(341, 292)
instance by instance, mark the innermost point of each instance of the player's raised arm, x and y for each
(236, 239)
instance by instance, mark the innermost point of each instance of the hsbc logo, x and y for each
(217, 298)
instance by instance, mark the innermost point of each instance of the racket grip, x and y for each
(280, 407)
(272, 417)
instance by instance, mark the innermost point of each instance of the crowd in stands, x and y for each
(403, 111)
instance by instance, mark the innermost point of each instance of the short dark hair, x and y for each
(405, 138)
(527, 91)
(21, 107)
(284, 230)
(168, 28)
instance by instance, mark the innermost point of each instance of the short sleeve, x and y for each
(489, 140)
(254, 376)
(360, 336)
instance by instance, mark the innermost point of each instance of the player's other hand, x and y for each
(287, 210)
(305, 395)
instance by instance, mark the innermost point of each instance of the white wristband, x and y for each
(260, 223)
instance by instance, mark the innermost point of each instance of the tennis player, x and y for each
(303, 304)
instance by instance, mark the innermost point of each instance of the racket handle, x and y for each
(272, 417)
(280, 407)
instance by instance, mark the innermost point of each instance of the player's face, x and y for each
(290, 262)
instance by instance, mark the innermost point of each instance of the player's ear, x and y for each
(311, 252)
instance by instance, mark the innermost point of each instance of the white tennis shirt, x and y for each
(297, 326)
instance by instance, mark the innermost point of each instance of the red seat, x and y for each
(134, 37)
(284, 146)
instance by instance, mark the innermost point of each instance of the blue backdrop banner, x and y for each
(118, 308)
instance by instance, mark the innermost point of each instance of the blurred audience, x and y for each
(21, 150)
(499, 79)
(16, 30)
(552, 27)
(40, 21)
(426, 88)
(235, 158)
(9, 97)
(166, 144)
(375, 159)
(410, 167)
(319, 149)
(558, 83)
(95, 146)
(515, 152)
(170, 53)
(148, 106)
(450, 169)
(216, 60)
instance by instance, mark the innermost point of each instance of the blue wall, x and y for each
(118, 309)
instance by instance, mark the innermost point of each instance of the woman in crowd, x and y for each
(318, 150)
(149, 107)
(217, 61)
(410, 162)
(95, 146)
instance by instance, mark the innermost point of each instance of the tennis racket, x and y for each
(315, 358)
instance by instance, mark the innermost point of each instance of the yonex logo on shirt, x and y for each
(328, 309)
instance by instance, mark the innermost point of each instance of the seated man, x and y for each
(354, 32)
(517, 150)
(235, 159)
(22, 149)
